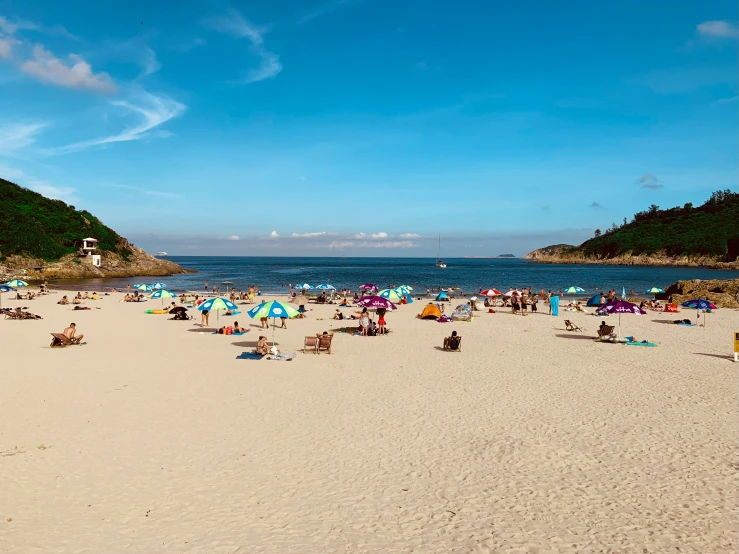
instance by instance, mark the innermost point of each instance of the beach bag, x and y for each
(671, 308)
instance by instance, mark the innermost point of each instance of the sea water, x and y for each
(275, 275)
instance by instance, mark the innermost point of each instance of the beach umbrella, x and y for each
(177, 309)
(699, 304)
(375, 302)
(162, 293)
(369, 286)
(4, 288)
(405, 288)
(304, 286)
(654, 290)
(325, 287)
(394, 295)
(620, 307)
(16, 283)
(490, 292)
(143, 287)
(512, 292)
(158, 286)
(218, 304)
(274, 310)
(574, 290)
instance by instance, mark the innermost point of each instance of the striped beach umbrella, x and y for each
(218, 304)
(162, 293)
(394, 295)
(158, 286)
(654, 290)
(274, 310)
(490, 292)
(304, 286)
(143, 287)
(574, 290)
(16, 283)
(325, 287)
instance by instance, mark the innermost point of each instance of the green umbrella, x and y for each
(394, 295)
(17, 283)
(274, 310)
(162, 293)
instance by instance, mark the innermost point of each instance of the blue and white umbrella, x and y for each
(274, 310)
(158, 286)
(218, 305)
(162, 293)
(143, 287)
(326, 287)
(304, 286)
(4, 288)
(16, 283)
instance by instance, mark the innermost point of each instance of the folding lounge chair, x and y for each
(324, 343)
(606, 333)
(310, 345)
(571, 326)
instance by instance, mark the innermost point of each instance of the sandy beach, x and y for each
(153, 437)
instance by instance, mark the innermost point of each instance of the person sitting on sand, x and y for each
(94, 296)
(452, 342)
(64, 301)
(87, 296)
(262, 347)
(343, 302)
(265, 322)
(238, 329)
(70, 331)
(77, 300)
(338, 314)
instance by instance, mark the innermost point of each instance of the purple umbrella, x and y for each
(369, 286)
(620, 307)
(375, 302)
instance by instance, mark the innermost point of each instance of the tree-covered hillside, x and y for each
(35, 226)
(708, 230)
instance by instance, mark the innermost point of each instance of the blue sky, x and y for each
(368, 127)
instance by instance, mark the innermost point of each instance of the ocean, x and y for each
(274, 275)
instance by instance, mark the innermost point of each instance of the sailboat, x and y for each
(439, 262)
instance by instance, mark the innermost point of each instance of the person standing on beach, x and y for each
(534, 301)
(549, 301)
(206, 286)
(381, 321)
(204, 318)
(524, 301)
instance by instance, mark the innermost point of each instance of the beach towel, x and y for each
(283, 356)
(554, 301)
(444, 319)
(249, 356)
(229, 334)
(643, 343)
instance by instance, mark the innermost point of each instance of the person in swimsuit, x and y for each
(204, 318)
(364, 321)
(70, 331)
(524, 306)
(262, 347)
(381, 322)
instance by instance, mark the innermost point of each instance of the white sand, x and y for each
(154, 438)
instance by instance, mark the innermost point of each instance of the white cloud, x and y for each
(234, 24)
(371, 244)
(155, 110)
(11, 28)
(729, 100)
(718, 29)
(51, 191)
(410, 236)
(7, 27)
(149, 62)
(15, 137)
(309, 235)
(380, 235)
(360, 236)
(6, 48)
(274, 234)
(323, 9)
(234, 237)
(50, 69)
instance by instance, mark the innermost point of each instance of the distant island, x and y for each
(703, 236)
(42, 238)
(489, 257)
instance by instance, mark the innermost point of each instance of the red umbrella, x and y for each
(490, 292)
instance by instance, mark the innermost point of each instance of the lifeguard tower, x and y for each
(88, 251)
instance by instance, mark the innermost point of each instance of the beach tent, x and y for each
(594, 301)
(462, 313)
(431, 311)
(443, 296)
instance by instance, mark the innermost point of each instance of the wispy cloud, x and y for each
(148, 192)
(381, 235)
(409, 236)
(6, 48)
(718, 29)
(78, 74)
(371, 244)
(729, 100)
(234, 24)
(309, 235)
(649, 181)
(15, 137)
(596, 206)
(234, 237)
(52, 191)
(155, 110)
(323, 9)
(12, 27)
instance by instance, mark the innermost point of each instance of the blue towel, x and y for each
(249, 356)
(554, 301)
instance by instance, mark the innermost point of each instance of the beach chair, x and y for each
(454, 345)
(310, 345)
(60, 341)
(606, 333)
(324, 343)
(571, 326)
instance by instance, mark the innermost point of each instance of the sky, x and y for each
(368, 127)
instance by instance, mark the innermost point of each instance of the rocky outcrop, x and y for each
(138, 263)
(723, 293)
(567, 254)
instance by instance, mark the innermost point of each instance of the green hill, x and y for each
(710, 230)
(37, 227)
(687, 235)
